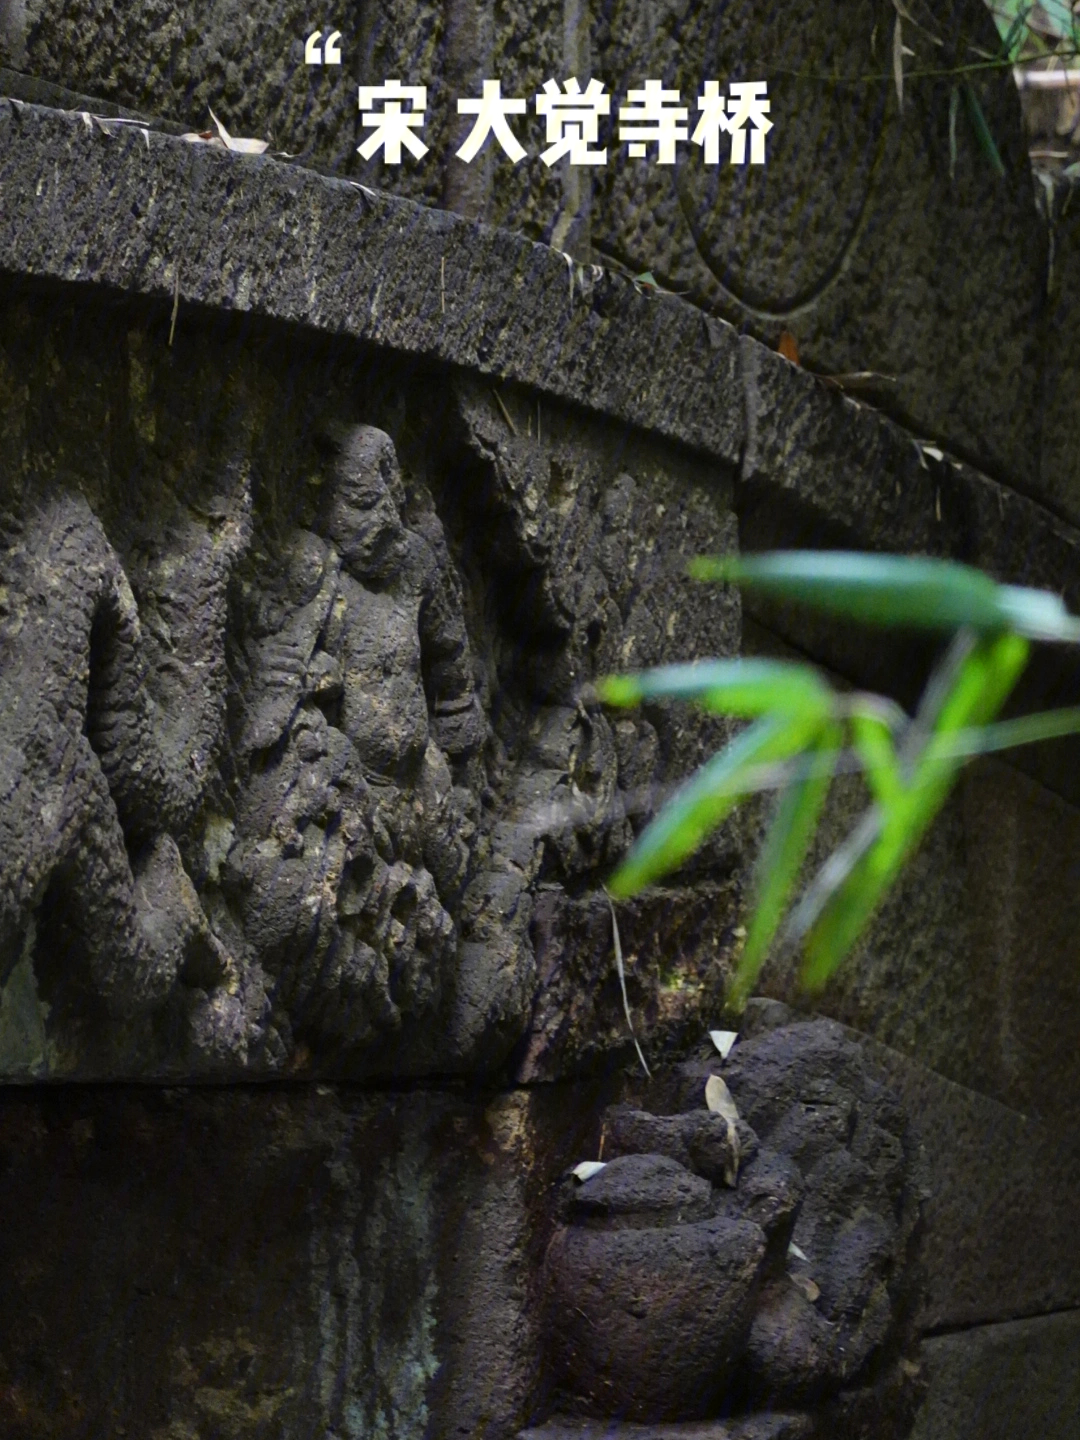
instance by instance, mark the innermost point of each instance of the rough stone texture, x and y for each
(1000, 1213)
(969, 966)
(1001, 1382)
(306, 627)
(669, 1296)
(76, 208)
(325, 253)
(854, 236)
(812, 1098)
(292, 722)
(190, 1265)
(1059, 473)
(819, 467)
(895, 255)
(650, 1322)
(998, 1193)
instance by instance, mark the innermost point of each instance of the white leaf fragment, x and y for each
(793, 1249)
(223, 140)
(731, 1169)
(587, 1169)
(244, 147)
(723, 1040)
(718, 1098)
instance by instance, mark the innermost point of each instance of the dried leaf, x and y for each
(242, 147)
(859, 380)
(898, 61)
(788, 347)
(719, 1100)
(587, 1169)
(723, 1040)
(806, 1285)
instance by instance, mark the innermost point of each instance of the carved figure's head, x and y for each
(363, 517)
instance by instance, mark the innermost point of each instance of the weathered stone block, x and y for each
(293, 719)
(1002, 1382)
(268, 1263)
(860, 234)
(969, 966)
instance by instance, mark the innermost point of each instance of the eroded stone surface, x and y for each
(294, 724)
(269, 1264)
(811, 1241)
(999, 1381)
(869, 233)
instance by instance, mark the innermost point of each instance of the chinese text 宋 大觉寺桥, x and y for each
(650, 118)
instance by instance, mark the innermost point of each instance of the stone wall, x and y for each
(320, 510)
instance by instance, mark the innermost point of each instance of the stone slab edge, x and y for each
(146, 214)
(999, 1220)
(1003, 1382)
(152, 215)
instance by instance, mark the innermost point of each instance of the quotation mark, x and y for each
(317, 53)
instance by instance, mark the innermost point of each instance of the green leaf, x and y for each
(783, 853)
(982, 130)
(1007, 734)
(842, 900)
(875, 746)
(1011, 19)
(746, 688)
(707, 798)
(896, 590)
(1051, 17)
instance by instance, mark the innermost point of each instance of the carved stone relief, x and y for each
(298, 734)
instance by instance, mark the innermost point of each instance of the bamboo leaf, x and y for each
(896, 590)
(783, 853)
(835, 912)
(746, 688)
(700, 805)
(982, 130)
(1051, 17)
(874, 744)
(1027, 730)
(898, 62)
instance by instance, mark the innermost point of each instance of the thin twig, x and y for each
(622, 983)
(175, 304)
(505, 412)
(943, 73)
